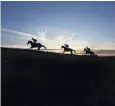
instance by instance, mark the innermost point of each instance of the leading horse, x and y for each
(67, 49)
(34, 45)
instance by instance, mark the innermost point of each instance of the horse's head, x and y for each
(62, 46)
(29, 42)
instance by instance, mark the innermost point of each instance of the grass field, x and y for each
(32, 78)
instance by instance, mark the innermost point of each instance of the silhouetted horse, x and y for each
(88, 52)
(33, 45)
(67, 49)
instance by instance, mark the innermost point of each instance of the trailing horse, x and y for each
(89, 52)
(34, 45)
(67, 49)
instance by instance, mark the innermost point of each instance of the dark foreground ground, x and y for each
(30, 78)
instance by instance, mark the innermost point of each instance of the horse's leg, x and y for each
(89, 53)
(93, 53)
(44, 47)
(71, 51)
(85, 52)
(38, 48)
(74, 51)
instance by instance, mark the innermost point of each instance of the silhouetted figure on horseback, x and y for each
(88, 51)
(66, 45)
(34, 45)
(34, 40)
(66, 49)
(88, 48)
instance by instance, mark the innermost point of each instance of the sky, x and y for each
(53, 24)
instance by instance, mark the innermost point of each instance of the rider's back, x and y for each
(34, 40)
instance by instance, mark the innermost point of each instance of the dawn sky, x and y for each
(79, 24)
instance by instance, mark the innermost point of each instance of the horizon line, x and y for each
(99, 54)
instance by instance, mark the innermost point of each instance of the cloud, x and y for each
(107, 45)
(20, 34)
(53, 38)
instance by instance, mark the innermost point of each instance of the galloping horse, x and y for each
(67, 49)
(89, 52)
(33, 45)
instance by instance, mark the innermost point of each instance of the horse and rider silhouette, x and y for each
(34, 44)
(67, 49)
(88, 51)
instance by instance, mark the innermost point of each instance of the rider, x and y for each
(88, 48)
(67, 46)
(34, 40)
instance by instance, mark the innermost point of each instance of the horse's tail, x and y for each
(92, 53)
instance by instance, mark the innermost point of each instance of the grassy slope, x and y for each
(40, 78)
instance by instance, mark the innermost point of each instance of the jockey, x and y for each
(88, 48)
(67, 46)
(34, 40)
